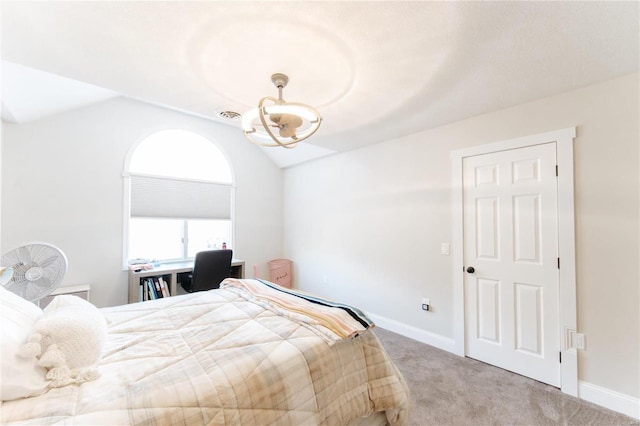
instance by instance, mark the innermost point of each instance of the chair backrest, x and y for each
(210, 268)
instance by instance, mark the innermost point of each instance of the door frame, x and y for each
(563, 139)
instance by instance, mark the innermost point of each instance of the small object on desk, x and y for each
(141, 267)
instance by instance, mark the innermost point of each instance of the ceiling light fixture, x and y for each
(295, 121)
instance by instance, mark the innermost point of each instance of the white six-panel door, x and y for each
(511, 261)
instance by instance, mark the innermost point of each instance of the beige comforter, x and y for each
(216, 358)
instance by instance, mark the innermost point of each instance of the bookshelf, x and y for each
(169, 273)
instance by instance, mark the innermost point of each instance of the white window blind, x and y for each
(175, 198)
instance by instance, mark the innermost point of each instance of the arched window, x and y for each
(181, 194)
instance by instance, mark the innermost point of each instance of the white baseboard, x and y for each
(604, 397)
(431, 339)
(612, 400)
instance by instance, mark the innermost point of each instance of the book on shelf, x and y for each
(156, 283)
(144, 290)
(152, 288)
(164, 287)
(149, 290)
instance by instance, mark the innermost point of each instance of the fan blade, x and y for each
(45, 263)
(275, 118)
(291, 120)
(24, 255)
(287, 123)
(287, 131)
(286, 119)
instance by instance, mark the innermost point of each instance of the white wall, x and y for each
(371, 221)
(62, 183)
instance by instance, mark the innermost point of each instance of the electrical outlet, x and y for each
(579, 341)
(576, 340)
(425, 304)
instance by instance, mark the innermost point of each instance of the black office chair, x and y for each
(210, 268)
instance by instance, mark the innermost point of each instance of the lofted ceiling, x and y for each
(375, 70)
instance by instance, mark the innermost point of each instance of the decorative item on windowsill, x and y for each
(294, 121)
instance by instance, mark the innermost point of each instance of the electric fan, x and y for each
(38, 268)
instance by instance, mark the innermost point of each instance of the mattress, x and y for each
(217, 358)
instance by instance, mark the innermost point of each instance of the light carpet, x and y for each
(450, 390)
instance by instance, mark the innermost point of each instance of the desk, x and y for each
(169, 273)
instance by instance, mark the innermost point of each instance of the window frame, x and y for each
(126, 193)
(184, 225)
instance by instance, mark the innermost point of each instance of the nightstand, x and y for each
(81, 290)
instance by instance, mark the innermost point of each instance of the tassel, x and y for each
(59, 373)
(60, 382)
(53, 357)
(87, 375)
(32, 348)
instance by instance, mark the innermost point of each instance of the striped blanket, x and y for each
(330, 320)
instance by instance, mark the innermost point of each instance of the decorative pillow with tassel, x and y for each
(68, 341)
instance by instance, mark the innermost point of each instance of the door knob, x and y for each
(471, 269)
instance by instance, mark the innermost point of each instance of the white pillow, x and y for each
(68, 340)
(19, 377)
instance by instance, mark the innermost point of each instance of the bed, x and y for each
(227, 356)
